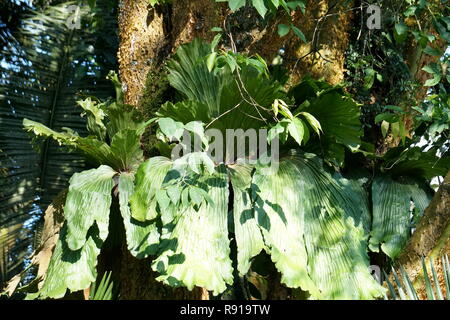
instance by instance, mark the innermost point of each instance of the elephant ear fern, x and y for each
(403, 288)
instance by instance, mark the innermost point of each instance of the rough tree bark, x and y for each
(431, 239)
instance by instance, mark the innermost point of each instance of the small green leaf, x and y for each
(401, 31)
(162, 199)
(211, 61)
(313, 122)
(388, 117)
(297, 130)
(195, 195)
(299, 33)
(260, 7)
(174, 194)
(236, 4)
(432, 82)
(215, 42)
(385, 128)
(432, 51)
(283, 30)
(170, 128)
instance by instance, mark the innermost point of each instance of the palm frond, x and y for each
(44, 68)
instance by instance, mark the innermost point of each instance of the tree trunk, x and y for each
(431, 239)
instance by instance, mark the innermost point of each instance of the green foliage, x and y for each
(314, 223)
(337, 114)
(269, 8)
(403, 289)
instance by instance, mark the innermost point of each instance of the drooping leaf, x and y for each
(195, 246)
(142, 237)
(391, 225)
(68, 269)
(248, 235)
(149, 178)
(95, 150)
(88, 201)
(313, 235)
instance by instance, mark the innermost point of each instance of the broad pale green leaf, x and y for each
(189, 74)
(391, 224)
(339, 118)
(73, 270)
(352, 185)
(281, 218)
(149, 178)
(88, 201)
(195, 246)
(248, 235)
(313, 236)
(220, 100)
(142, 237)
(123, 117)
(338, 115)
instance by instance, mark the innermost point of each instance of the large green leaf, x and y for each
(392, 217)
(73, 270)
(313, 230)
(248, 236)
(88, 201)
(149, 179)
(195, 247)
(142, 237)
(189, 74)
(353, 184)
